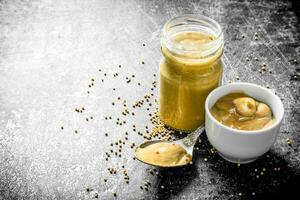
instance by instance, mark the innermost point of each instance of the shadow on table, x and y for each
(172, 181)
(295, 7)
(275, 180)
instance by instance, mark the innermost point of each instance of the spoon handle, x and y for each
(190, 140)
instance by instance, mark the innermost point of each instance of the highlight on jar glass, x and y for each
(191, 67)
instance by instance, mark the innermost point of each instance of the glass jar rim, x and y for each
(193, 21)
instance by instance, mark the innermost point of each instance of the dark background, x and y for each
(51, 50)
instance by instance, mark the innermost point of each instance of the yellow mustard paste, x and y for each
(239, 111)
(163, 154)
(186, 79)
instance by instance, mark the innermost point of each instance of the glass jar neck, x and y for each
(211, 46)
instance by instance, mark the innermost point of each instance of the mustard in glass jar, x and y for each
(191, 68)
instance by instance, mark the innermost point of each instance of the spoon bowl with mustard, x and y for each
(167, 154)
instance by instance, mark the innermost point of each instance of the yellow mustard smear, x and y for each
(163, 154)
(240, 111)
(186, 80)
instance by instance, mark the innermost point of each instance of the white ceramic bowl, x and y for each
(241, 146)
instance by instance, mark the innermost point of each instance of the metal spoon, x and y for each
(187, 143)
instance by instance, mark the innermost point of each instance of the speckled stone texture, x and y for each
(50, 51)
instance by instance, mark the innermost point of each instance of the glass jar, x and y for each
(191, 68)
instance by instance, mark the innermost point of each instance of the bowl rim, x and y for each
(278, 121)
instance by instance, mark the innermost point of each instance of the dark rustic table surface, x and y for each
(51, 148)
